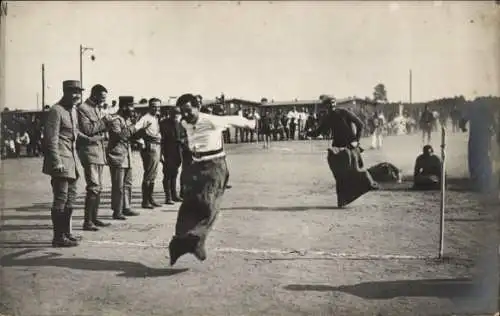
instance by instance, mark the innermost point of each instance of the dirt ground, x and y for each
(280, 246)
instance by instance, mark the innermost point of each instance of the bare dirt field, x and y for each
(280, 246)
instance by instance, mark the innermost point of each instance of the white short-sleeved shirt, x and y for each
(206, 134)
(153, 130)
(293, 114)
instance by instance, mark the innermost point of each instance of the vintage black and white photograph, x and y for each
(248, 158)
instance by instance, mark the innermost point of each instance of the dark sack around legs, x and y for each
(204, 186)
(351, 180)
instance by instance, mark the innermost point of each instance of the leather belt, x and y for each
(199, 155)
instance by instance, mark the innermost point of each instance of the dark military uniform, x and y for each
(186, 157)
(171, 131)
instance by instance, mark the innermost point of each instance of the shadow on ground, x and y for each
(128, 269)
(439, 288)
(452, 184)
(282, 208)
(25, 244)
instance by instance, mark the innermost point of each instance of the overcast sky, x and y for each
(278, 50)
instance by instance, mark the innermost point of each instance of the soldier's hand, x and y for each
(107, 118)
(354, 144)
(59, 168)
(95, 139)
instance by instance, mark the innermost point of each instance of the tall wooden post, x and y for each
(411, 87)
(43, 86)
(443, 192)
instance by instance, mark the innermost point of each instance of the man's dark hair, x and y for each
(98, 89)
(187, 98)
(153, 100)
(428, 149)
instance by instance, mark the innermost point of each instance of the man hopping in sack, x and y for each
(344, 156)
(205, 178)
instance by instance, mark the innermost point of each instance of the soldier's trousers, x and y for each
(64, 192)
(93, 178)
(150, 161)
(170, 172)
(121, 189)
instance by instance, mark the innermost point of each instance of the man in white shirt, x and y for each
(378, 123)
(256, 117)
(150, 151)
(205, 178)
(301, 123)
(293, 117)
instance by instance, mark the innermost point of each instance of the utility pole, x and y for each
(81, 65)
(43, 86)
(411, 83)
(83, 49)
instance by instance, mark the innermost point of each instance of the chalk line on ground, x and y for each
(316, 254)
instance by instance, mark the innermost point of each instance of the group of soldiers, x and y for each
(87, 131)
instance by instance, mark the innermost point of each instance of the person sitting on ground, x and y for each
(427, 174)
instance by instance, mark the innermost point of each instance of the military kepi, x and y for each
(125, 100)
(72, 85)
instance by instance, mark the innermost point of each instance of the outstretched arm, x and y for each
(233, 120)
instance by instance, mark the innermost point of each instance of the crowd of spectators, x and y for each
(22, 135)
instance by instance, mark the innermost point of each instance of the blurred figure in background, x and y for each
(426, 124)
(171, 139)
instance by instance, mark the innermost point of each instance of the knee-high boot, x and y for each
(68, 212)
(146, 203)
(95, 209)
(88, 220)
(173, 189)
(167, 188)
(58, 222)
(127, 192)
(151, 198)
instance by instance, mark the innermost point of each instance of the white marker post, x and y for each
(443, 192)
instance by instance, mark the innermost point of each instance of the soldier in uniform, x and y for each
(60, 134)
(151, 151)
(92, 121)
(171, 136)
(119, 155)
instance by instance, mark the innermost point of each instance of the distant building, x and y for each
(314, 106)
